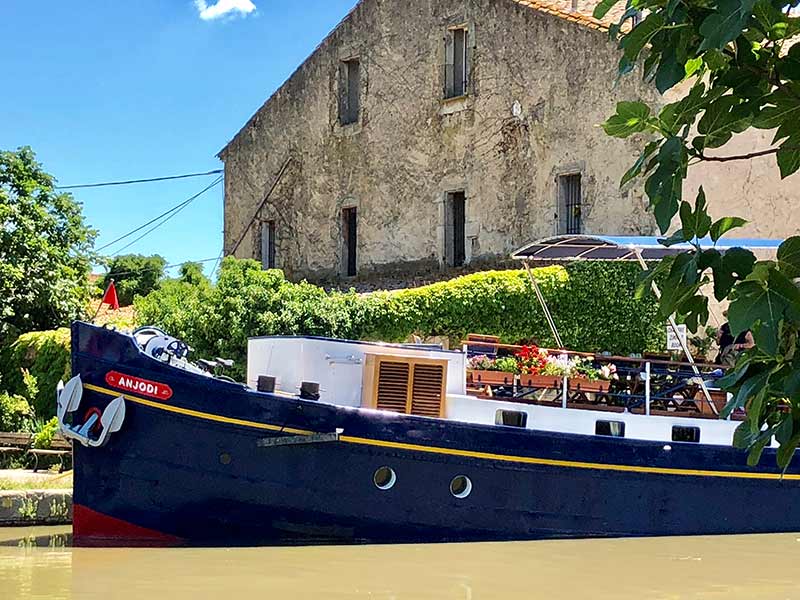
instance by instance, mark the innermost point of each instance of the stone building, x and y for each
(427, 135)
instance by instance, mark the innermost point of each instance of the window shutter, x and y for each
(427, 390)
(392, 386)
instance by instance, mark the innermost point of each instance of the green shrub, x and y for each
(15, 412)
(43, 436)
(593, 305)
(45, 354)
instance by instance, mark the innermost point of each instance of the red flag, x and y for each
(110, 297)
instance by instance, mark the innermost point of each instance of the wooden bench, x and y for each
(21, 442)
(37, 452)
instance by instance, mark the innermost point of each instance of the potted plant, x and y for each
(537, 370)
(482, 369)
(584, 377)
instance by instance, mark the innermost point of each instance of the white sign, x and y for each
(673, 341)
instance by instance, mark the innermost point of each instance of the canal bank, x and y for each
(31, 499)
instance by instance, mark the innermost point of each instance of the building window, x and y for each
(268, 244)
(350, 231)
(685, 434)
(511, 418)
(610, 428)
(349, 91)
(455, 229)
(456, 71)
(569, 204)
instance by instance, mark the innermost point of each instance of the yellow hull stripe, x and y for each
(451, 451)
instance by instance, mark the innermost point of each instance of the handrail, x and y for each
(597, 355)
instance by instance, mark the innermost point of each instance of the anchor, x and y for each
(69, 399)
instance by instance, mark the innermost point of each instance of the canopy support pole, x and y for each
(544, 306)
(682, 342)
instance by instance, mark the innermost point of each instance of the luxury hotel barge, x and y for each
(333, 441)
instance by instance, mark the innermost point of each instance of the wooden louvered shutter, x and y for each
(393, 386)
(427, 390)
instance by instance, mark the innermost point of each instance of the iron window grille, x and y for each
(571, 208)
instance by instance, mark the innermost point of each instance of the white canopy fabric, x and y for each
(592, 247)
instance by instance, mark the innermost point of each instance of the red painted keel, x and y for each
(91, 528)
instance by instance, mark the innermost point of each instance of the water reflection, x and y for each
(762, 567)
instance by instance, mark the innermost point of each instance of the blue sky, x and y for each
(107, 90)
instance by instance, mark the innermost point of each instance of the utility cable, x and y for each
(171, 212)
(133, 181)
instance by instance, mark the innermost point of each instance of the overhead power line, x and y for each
(168, 214)
(166, 267)
(133, 181)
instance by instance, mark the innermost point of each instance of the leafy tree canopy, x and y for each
(741, 65)
(45, 249)
(192, 273)
(134, 274)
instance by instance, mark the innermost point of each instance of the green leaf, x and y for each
(695, 223)
(630, 118)
(715, 59)
(726, 23)
(785, 109)
(789, 156)
(636, 169)
(736, 264)
(693, 65)
(601, 10)
(787, 449)
(749, 388)
(722, 119)
(664, 186)
(789, 257)
(724, 225)
(636, 39)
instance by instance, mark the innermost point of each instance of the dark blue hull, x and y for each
(199, 468)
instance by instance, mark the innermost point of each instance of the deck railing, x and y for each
(631, 371)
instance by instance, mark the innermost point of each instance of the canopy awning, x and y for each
(592, 247)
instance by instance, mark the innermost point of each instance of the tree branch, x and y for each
(747, 156)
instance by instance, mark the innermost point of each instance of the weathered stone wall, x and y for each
(540, 85)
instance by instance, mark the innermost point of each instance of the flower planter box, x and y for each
(541, 382)
(589, 386)
(491, 377)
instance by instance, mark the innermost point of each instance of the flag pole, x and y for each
(99, 306)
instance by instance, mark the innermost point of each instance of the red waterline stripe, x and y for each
(91, 528)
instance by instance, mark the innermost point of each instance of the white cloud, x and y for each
(223, 8)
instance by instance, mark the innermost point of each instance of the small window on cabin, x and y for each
(350, 240)
(268, 244)
(610, 428)
(511, 418)
(456, 70)
(685, 434)
(455, 229)
(349, 91)
(570, 203)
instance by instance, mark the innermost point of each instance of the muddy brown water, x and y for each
(38, 563)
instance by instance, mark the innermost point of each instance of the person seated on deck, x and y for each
(729, 347)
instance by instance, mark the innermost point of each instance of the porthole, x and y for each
(384, 478)
(461, 486)
(224, 458)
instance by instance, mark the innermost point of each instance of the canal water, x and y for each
(38, 563)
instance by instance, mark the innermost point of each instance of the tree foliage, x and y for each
(45, 249)
(742, 68)
(134, 275)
